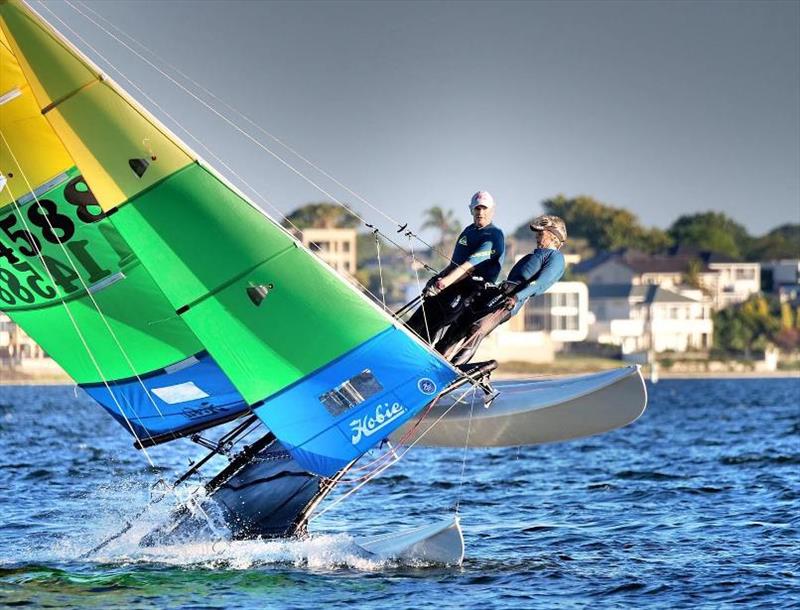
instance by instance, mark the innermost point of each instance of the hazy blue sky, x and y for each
(661, 108)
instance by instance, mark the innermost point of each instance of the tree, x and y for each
(692, 275)
(323, 215)
(604, 227)
(711, 231)
(787, 319)
(443, 221)
(747, 326)
(781, 242)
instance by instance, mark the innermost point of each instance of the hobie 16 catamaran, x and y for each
(179, 306)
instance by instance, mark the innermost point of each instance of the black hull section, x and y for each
(262, 493)
(268, 497)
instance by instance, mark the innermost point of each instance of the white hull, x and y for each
(440, 543)
(533, 412)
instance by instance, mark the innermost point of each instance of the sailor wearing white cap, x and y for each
(479, 252)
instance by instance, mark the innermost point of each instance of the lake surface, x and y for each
(697, 504)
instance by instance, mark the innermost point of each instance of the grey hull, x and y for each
(440, 543)
(533, 412)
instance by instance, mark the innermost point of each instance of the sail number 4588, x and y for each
(22, 283)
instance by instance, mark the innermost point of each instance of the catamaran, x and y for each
(190, 315)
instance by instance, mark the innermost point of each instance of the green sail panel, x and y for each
(81, 248)
(205, 246)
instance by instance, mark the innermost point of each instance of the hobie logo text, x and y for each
(368, 425)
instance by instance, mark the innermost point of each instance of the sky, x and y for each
(662, 108)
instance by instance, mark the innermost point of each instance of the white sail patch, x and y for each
(10, 95)
(182, 392)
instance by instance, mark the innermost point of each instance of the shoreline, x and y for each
(66, 381)
(663, 376)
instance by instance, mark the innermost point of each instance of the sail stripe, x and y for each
(188, 398)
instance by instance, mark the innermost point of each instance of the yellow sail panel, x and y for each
(119, 147)
(119, 151)
(52, 70)
(38, 154)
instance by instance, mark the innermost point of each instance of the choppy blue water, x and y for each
(697, 504)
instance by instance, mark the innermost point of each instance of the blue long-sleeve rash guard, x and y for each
(484, 248)
(543, 267)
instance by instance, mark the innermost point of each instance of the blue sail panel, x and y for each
(342, 410)
(189, 396)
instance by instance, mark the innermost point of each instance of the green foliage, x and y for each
(712, 231)
(604, 227)
(747, 326)
(322, 215)
(787, 319)
(781, 242)
(692, 276)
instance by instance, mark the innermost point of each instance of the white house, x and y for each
(645, 317)
(725, 280)
(542, 326)
(563, 311)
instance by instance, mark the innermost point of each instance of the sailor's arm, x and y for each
(549, 274)
(459, 272)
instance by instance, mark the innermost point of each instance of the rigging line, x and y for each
(419, 290)
(99, 310)
(58, 288)
(214, 111)
(383, 468)
(259, 128)
(346, 207)
(195, 139)
(466, 445)
(214, 156)
(380, 268)
(204, 147)
(94, 302)
(250, 187)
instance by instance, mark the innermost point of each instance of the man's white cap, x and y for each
(481, 198)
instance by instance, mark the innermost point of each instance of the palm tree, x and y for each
(445, 222)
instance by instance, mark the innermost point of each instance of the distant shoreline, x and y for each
(65, 381)
(661, 376)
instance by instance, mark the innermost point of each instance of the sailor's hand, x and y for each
(434, 286)
(506, 286)
(430, 287)
(510, 303)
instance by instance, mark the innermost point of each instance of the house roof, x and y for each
(677, 260)
(648, 294)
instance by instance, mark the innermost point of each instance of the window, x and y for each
(352, 392)
(745, 274)
(321, 246)
(346, 246)
(534, 321)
